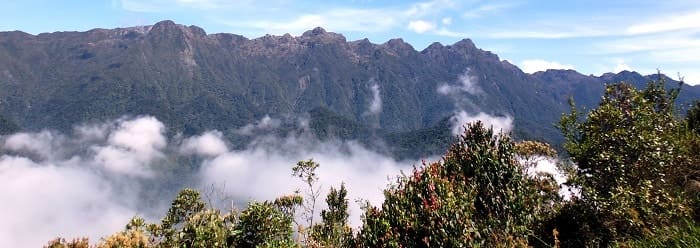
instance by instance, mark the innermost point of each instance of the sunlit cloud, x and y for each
(535, 65)
(420, 26)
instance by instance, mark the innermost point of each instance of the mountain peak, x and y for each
(314, 32)
(169, 28)
(435, 45)
(320, 34)
(466, 43)
(398, 44)
(164, 24)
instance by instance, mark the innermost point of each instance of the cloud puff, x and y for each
(467, 83)
(486, 9)
(265, 123)
(621, 66)
(470, 84)
(375, 106)
(499, 124)
(39, 144)
(132, 146)
(210, 143)
(547, 165)
(535, 65)
(446, 20)
(420, 26)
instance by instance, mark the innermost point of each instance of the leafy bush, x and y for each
(627, 152)
(476, 196)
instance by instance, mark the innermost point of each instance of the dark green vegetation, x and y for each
(7, 126)
(636, 167)
(193, 81)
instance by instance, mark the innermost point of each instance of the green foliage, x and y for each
(7, 126)
(530, 150)
(626, 151)
(693, 117)
(263, 225)
(477, 196)
(288, 204)
(334, 230)
(687, 234)
(171, 229)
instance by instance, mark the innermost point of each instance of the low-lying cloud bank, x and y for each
(83, 184)
(92, 181)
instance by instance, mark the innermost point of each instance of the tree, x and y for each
(626, 151)
(170, 231)
(306, 171)
(263, 225)
(476, 196)
(334, 230)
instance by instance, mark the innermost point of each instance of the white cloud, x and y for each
(690, 76)
(420, 26)
(667, 23)
(518, 34)
(375, 106)
(336, 20)
(546, 165)
(64, 193)
(76, 195)
(429, 7)
(486, 9)
(467, 83)
(348, 19)
(621, 66)
(210, 143)
(39, 144)
(265, 123)
(448, 33)
(446, 21)
(132, 147)
(499, 124)
(268, 171)
(42, 201)
(535, 65)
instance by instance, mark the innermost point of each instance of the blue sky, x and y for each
(592, 37)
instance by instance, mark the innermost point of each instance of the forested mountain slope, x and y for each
(194, 81)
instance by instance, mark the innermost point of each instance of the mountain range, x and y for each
(194, 81)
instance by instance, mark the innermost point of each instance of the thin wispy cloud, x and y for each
(487, 8)
(671, 23)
